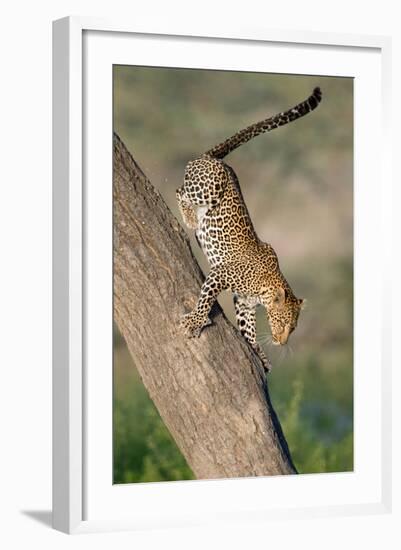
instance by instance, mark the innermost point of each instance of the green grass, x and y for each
(318, 426)
(143, 448)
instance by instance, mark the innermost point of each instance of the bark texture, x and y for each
(210, 391)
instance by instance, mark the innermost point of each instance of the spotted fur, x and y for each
(211, 202)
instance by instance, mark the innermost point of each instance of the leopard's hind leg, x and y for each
(187, 209)
(205, 180)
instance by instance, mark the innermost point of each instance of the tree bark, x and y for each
(210, 391)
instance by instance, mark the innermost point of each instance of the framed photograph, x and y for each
(218, 324)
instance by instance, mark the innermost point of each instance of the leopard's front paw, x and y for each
(192, 324)
(267, 366)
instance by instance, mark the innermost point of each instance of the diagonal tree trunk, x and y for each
(210, 392)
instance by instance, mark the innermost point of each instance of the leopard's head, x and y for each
(282, 314)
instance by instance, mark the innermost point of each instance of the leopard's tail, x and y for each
(223, 149)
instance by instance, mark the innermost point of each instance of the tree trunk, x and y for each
(210, 391)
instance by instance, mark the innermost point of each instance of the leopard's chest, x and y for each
(222, 238)
(213, 238)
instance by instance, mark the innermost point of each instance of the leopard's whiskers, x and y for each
(264, 339)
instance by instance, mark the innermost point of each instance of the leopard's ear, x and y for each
(279, 298)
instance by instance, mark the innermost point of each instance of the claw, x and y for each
(267, 366)
(191, 327)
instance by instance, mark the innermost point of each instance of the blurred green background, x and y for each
(297, 183)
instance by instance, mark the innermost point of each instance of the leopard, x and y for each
(211, 203)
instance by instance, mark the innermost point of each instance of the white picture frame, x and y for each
(83, 49)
